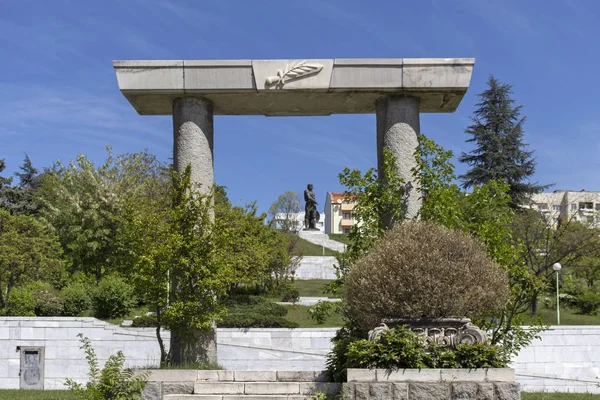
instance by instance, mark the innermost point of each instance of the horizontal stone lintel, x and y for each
(294, 87)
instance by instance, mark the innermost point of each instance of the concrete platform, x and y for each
(294, 87)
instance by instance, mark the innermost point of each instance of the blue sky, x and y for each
(60, 97)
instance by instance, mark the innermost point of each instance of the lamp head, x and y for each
(557, 267)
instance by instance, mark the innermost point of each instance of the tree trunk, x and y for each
(192, 347)
(534, 304)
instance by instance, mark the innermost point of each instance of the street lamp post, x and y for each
(557, 267)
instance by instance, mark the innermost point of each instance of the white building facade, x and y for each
(340, 216)
(568, 205)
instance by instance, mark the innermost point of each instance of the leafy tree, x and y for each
(500, 153)
(28, 251)
(285, 209)
(588, 269)
(486, 214)
(541, 244)
(84, 205)
(198, 272)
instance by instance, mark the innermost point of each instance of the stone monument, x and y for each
(311, 215)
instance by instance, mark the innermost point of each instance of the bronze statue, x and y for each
(311, 215)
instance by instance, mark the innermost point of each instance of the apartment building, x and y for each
(339, 214)
(579, 206)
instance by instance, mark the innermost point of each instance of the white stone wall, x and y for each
(565, 359)
(63, 357)
(314, 267)
(274, 349)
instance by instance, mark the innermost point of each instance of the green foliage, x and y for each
(254, 312)
(28, 251)
(145, 321)
(84, 205)
(320, 311)
(22, 303)
(48, 302)
(112, 298)
(379, 199)
(588, 303)
(76, 299)
(111, 383)
(500, 153)
(401, 348)
(290, 296)
(19, 199)
(338, 360)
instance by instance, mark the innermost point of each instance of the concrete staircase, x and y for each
(322, 239)
(238, 385)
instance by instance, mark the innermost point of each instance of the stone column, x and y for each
(193, 139)
(397, 129)
(193, 145)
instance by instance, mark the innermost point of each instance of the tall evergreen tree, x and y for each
(19, 198)
(500, 153)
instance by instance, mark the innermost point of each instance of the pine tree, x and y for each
(500, 153)
(19, 199)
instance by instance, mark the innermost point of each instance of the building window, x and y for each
(586, 206)
(346, 231)
(556, 207)
(573, 207)
(543, 206)
(346, 216)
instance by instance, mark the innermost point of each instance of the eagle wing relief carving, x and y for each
(292, 72)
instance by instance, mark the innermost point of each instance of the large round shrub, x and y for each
(76, 299)
(421, 269)
(113, 298)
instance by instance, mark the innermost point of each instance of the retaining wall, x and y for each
(566, 358)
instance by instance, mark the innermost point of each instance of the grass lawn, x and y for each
(300, 315)
(36, 395)
(312, 287)
(339, 237)
(559, 396)
(306, 248)
(568, 316)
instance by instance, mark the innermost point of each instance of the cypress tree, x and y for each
(500, 153)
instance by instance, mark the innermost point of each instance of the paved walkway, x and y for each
(322, 240)
(310, 301)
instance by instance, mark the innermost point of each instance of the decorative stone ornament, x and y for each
(447, 332)
(292, 72)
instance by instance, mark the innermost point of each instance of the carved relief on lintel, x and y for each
(292, 72)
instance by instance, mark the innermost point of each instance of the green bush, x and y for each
(76, 299)
(145, 321)
(422, 269)
(48, 302)
(401, 348)
(320, 311)
(21, 303)
(34, 299)
(588, 303)
(112, 382)
(254, 312)
(113, 298)
(290, 296)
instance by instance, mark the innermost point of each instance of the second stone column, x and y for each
(193, 139)
(397, 129)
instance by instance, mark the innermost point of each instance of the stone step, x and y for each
(264, 388)
(233, 397)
